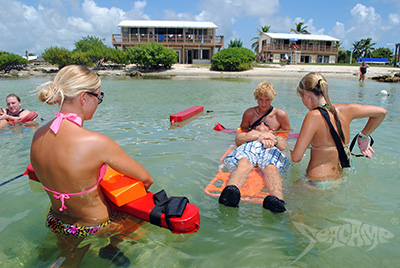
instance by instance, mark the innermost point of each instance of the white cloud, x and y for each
(365, 23)
(309, 26)
(339, 30)
(138, 11)
(80, 25)
(260, 8)
(394, 19)
(172, 15)
(102, 20)
(312, 29)
(34, 29)
(365, 15)
(278, 24)
(227, 13)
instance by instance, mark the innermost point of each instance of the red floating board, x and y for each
(189, 222)
(183, 115)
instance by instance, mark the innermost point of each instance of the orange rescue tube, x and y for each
(121, 189)
(140, 203)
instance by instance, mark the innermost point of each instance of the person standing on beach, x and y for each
(326, 131)
(70, 161)
(277, 121)
(363, 71)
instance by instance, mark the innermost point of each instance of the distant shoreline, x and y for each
(199, 71)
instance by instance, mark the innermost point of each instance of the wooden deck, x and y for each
(284, 48)
(127, 40)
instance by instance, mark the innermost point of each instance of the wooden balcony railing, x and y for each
(302, 48)
(134, 39)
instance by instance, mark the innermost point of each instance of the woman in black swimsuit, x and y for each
(363, 71)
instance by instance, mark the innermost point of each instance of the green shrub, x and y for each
(63, 57)
(93, 48)
(152, 56)
(80, 58)
(58, 55)
(116, 56)
(233, 59)
(10, 61)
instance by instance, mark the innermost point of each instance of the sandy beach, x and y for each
(199, 71)
(203, 71)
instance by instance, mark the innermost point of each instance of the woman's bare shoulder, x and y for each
(96, 137)
(313, 117)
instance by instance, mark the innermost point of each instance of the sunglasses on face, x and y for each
(259, 123)
(99, 97)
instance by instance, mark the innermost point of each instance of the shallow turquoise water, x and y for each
(352, 225)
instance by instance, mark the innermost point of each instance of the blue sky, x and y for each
(34, 25)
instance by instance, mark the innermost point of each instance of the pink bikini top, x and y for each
(55, 126)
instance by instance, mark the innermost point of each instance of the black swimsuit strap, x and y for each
(344, 160)
(9, 113)
(261, 118)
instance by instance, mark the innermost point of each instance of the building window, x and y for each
(195, 54)
(206, 54)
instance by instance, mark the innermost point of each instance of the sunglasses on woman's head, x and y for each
(99, 97)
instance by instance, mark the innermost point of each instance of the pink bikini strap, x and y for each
(62, 196)
(103, 170)
(55, 126)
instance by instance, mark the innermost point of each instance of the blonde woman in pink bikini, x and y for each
(69, 161)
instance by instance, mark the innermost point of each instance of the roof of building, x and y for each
(302, 36)
(167, 24)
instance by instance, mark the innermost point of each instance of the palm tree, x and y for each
(235, 43)
(300, 28)
(263, 29)
(339, 45)
(363, 48)
(367, 47)
(357, 49)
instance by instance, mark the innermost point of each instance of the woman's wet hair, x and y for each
(15, 96)
(316, 83)
(69, 83)
(265, 89)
